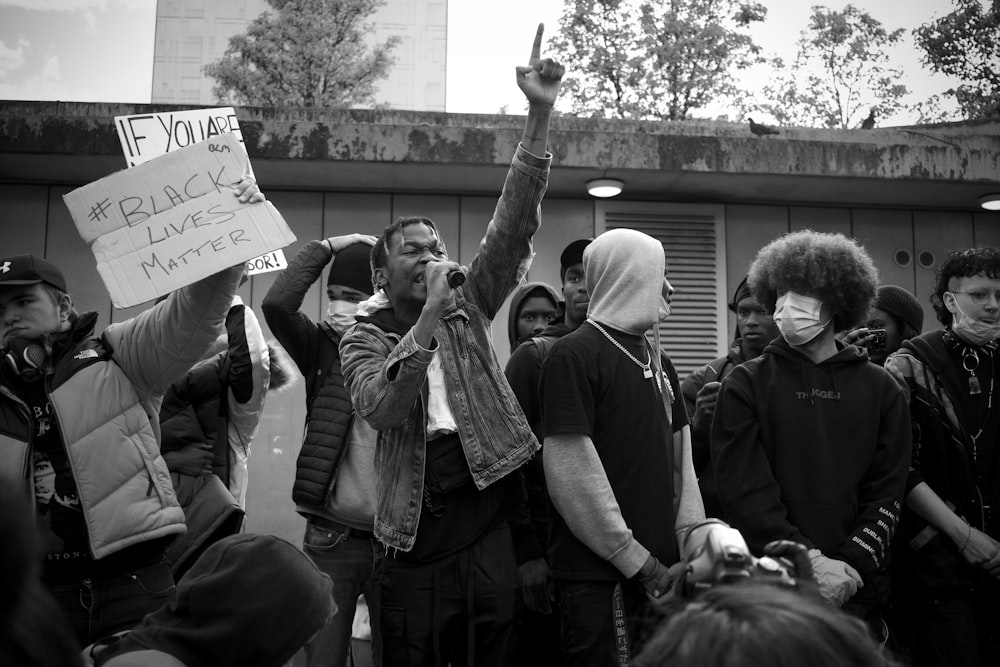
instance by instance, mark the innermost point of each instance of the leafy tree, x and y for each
(965, 44)
(311, 54)
(840, 74)
(653, 59)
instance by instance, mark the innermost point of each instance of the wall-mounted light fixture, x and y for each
(990, 202)
(605, 187)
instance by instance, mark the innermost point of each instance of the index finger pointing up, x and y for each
(536, 48)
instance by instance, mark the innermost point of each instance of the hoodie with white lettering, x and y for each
(815, 453)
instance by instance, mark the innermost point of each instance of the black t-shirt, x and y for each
(590, 387)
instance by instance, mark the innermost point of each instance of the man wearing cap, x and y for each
(335, 476)
(79, 430)
(754, 330)
(537, 640)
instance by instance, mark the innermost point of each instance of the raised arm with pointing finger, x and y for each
(421, 370)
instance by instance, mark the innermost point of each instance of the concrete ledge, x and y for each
(650, 156)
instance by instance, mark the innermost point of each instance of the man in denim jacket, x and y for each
(422, 371)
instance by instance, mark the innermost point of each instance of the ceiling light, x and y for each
(605, 187)
(990, 202)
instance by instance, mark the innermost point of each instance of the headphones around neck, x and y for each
(27, 358)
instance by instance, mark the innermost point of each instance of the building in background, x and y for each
(711, 191)
(192, 33)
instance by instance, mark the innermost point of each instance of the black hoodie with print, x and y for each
(815, 453)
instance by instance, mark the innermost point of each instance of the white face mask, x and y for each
(797, 318)
(973, 331)
(341, 315)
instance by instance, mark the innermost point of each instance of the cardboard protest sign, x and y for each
(272, 261)
(173, 220)
(148, 136)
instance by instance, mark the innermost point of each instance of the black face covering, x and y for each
(28, 358)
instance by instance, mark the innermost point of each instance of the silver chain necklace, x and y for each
(647, 371)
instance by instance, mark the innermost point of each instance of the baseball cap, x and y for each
(28, 270)
(572, 254)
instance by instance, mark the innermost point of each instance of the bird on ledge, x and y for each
(760, 130)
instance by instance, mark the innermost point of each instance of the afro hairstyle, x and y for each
(833, 268)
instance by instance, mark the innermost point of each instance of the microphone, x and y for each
(456, 278)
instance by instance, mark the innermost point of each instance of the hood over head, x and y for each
(624, 271)
(248, 600)
(522, 293)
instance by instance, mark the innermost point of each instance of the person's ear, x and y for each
(65, 306)
(379, 275)
(948, 299)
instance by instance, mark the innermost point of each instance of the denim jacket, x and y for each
(386, 370)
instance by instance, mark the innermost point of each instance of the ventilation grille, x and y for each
(690, 336)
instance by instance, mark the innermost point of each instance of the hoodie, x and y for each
(624, 272)
(814, 453)
(248, 600)
(521, 294)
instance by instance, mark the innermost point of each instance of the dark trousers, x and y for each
(599, 624)
(950, 632)
(536, 638)
(456, 611)
(351, 561)
(104, 606)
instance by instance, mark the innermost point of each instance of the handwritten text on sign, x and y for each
(147, 136)
(174, 220)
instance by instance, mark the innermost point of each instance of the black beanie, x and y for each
(900, 303)
(352, 268)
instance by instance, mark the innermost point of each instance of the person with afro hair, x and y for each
(946, 560)
(810, 442)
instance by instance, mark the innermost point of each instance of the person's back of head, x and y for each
(759, 625)
(247, 600)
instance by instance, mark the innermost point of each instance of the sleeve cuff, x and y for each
(629, 559)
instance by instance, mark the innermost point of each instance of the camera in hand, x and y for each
(876, 340)
(724, 558)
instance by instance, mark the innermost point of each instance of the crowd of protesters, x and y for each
(545, 513)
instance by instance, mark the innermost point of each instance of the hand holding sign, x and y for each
(174, 220)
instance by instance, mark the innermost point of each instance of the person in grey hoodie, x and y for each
(533, 308)
(617, 453)
(810, 442)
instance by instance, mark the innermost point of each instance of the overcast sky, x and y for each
(102, 50)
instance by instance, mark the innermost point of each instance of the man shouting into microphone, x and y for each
(422, 371)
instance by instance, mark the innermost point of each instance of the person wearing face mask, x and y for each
(810, 442)
(947, 555)
(334, 485)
